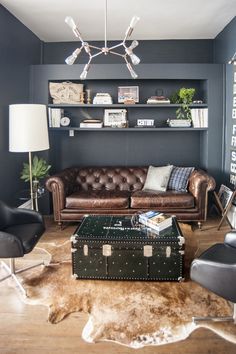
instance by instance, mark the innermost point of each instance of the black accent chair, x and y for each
(20, 230)
(215, 270)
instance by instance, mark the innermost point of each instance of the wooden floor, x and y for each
(24, 328)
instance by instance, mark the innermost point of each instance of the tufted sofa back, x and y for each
(111, 178)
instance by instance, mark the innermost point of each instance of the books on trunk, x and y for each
(155, 220)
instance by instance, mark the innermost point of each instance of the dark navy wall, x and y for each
(165, 51)
(19, 48)
(224, 48)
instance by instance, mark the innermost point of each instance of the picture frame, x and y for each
(115, 118)
(128, 93)
(224, 195)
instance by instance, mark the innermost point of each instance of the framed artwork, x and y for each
(224, 195)
(128, 93)
(115, 118)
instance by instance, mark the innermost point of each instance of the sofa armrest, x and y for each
(200, 183)
(61, 185)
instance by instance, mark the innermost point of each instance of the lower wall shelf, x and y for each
(127, 129)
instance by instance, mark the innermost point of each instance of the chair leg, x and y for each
(218, 319)
(11, 269)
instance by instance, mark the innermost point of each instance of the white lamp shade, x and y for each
(28, 128)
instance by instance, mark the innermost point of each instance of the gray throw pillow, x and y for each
(157, 178)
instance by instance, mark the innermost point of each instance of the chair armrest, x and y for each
(11, 246)
(20, 216)
(230, 238)
(61, 185)
(200, 183)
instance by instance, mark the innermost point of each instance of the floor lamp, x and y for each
(28, 132)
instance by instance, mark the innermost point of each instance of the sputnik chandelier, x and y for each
(128, 51)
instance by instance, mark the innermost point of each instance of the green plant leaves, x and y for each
(185, 97)
(40, 169)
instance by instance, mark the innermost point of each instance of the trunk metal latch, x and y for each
(147, 251)
(106, 250)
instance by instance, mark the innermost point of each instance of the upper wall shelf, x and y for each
(121, 105)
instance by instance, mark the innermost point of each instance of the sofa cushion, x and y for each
(157, 178)
(98, 200)
(168, 199)
(179, 178)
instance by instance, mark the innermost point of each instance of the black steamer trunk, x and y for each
(110, 247)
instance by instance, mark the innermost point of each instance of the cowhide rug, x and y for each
(131, 313)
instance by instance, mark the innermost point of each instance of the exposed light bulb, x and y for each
(131, 70)
(134, 21)
(85, 72)
(86, 47)
(233, 60)
(133, 45)
(71, 59)
(135, 59)
(70, 22)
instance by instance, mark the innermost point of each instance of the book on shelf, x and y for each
(54, 117)
(199, 117)
(91, 123)
(158, 99)
(155, 220)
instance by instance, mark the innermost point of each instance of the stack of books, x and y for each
(54, 117)
(91, 123)
(158, 99)
(199, 117)
(155, 220)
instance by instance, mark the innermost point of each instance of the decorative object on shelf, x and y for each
(91, 123)
(66, 92)
(197, 102)
(82, 95)
(105, 49)
(148, 123)
(115, 118)
(28, 131)
(185, 99)
(88, 96)
(126, 94)
(179, 123)
(159, 98)
(65, 121)
(102, 98)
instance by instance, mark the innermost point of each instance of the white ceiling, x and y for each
(160, 19)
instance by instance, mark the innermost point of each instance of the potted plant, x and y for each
(185, 99)
(183, 114)
(40, 170)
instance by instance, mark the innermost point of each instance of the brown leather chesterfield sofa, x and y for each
(118, 190)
